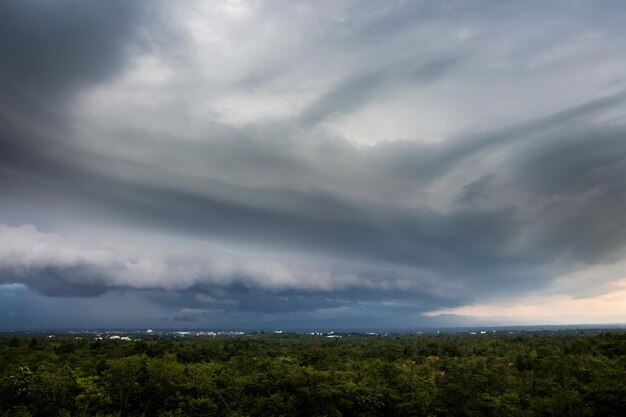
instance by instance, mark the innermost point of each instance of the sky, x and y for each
(328, 164)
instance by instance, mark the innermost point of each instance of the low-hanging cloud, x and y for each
(56, 265)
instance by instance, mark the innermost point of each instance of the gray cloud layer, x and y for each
(116, 136)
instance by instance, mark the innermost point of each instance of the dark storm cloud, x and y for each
(475, 190)
(344, 98)
(188, 319)
(400, 225)
(329, 225)
(427, 162)
(49, 52)
(580, 183)
(73, 281)
(360, 90)
(468, 244)
(50, 49)
(278, 303)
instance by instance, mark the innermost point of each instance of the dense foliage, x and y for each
(494, 374)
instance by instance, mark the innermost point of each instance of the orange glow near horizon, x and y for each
(610, 306)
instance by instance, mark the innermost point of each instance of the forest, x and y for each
(523, 373)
